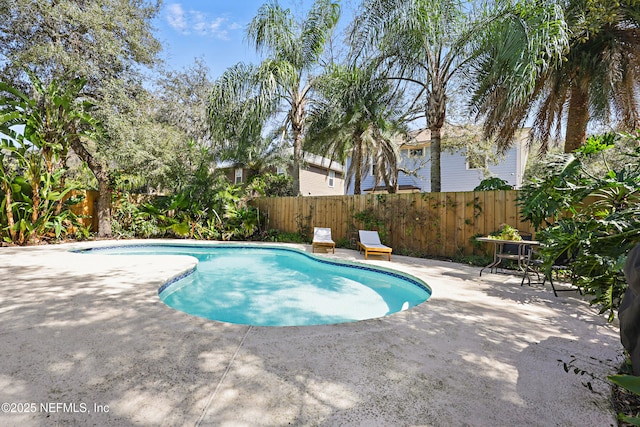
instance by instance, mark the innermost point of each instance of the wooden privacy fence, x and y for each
(86, 208)
(424, 224)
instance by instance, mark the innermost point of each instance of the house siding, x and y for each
(314, 181)
(314, 176)
(454, 173)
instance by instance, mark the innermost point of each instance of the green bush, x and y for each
(129, 221)
(493, 183)
(598, 231)
(272, 185)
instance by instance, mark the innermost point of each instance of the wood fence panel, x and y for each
(86, 208)
(278, 219)
(285, 214)
(500, 210)
(469, 220)
(432, 222)
(418, 229)
(489, 211)
(273, 207)
(511, 210)
(461, 229)
(344, 219)
(436, 224)
(396, 208)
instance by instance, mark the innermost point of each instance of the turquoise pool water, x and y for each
(269, 286)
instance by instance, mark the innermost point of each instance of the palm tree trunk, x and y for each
(392, 186)
(297, 162)
(357, 159)
(436, 112)
(435, 150)
(577, 119)
(297, 125)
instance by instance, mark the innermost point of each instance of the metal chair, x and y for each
(563, 263)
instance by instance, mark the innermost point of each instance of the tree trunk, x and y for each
(104, 188)
(297, 126)
(577, 119)
(436, 112)
(436, 178)
(297, 162)
(357, 159)
(391, 184)
(104, 204)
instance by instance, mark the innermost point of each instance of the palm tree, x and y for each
(598, 44)
(245, 96)
(420, 43)
(357, 118)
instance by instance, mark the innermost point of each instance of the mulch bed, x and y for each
(625, 402)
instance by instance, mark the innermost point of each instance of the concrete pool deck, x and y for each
(85, 339)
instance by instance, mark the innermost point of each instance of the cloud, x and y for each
(176, 18)
(197, 22)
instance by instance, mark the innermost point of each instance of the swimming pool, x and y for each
(277, 286)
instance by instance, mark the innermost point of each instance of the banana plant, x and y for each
(35, 136)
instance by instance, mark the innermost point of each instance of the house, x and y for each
(465, 161)
(319, 176)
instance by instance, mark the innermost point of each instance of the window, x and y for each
(332, 179)
(416, 152)
(280, 170)
(476, 162)
(238, 179)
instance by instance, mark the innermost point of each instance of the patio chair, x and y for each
(370, 244)
(322, 238)
(561, 264)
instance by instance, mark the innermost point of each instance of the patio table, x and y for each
(522, 256)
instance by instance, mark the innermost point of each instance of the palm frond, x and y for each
(316, 30)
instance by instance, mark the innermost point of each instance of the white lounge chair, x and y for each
(322, 238)
(371, 244)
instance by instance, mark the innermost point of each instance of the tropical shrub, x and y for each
(493, 183)
(210, 208)
(35, 134)
(128, 220)
(272, 185)
(594, 217)
(632, 384)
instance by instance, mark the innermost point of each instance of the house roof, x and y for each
(452, 132)
(322, 162)
(401, 188)
(308, 158)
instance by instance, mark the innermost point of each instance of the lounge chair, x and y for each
(322, 238)
(370, 243)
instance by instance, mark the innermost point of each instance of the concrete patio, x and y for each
(85, 338)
